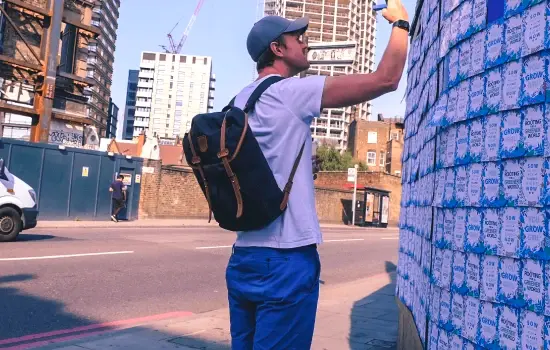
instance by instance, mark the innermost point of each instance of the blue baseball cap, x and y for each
(268, 29)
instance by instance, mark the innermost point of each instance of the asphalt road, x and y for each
(58, 279)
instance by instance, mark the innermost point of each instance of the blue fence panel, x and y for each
(71, 183)
(84, 187)
(54, 192)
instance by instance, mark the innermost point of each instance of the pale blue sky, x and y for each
(220, 31)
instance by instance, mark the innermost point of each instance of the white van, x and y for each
(18, 209)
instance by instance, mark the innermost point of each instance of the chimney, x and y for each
(380, 117)
(140, 143)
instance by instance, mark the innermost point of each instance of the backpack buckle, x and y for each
(223, 153)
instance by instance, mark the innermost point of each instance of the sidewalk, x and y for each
(357, 315)
(148, 223)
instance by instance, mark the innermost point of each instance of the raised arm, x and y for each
(348, 90)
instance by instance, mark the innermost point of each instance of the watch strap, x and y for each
(400, 23)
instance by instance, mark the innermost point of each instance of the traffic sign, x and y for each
(352, 173)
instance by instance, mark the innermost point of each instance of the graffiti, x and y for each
(66, 138)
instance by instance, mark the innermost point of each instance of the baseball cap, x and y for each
(268, 29)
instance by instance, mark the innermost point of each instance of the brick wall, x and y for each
(333, 206)
(338, 180)
(173, 192)
(170, 192)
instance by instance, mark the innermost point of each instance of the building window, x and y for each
(372, 137)
(394, 136)
(194, 60)
(371, 157)
(382, 158)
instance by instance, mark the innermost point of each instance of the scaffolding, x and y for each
(41, 77)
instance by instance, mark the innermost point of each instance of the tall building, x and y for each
(101, 59)
(130, 107)
(341, 35)
(112, 121)
(172, 89)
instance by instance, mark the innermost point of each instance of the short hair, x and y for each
(268, 57)
(120, 177)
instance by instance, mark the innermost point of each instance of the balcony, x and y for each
(147, 64)
(147, 74)
(142, 84)
(212, 85)
(143, 114)
(143, 103)
(141, 123)
(148, 93)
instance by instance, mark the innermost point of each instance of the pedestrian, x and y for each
(118, 190)
(273, 273)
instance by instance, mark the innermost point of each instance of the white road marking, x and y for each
(393, 238)
(64, 256)
(215, 247)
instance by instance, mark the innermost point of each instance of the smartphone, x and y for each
(379, 7)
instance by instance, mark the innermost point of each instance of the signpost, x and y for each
(352, 177)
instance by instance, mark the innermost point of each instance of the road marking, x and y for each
(113, 325)
(64, 256)
(344, 240)
(389, 237)
(215, 247)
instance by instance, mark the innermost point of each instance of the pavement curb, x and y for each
(160, 224)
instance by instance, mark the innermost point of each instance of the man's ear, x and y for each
(276, 49)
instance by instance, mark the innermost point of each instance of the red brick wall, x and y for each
(338, 180)
(172, 192)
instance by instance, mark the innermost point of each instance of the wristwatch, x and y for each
(400, 23)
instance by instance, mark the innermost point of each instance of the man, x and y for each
(118, 191)
(273, 273)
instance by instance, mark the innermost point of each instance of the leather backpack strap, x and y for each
(260, 89)
(288, 185)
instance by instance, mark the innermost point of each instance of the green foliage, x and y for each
(332, 160)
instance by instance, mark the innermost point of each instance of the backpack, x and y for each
(231, 169)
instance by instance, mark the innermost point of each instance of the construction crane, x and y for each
(175, 49)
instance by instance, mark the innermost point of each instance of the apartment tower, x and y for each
(172, 89)
(130, 106)
(341, 34)
(101, 59)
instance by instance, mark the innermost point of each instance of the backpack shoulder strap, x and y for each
(288, 185)
(260, 89)
(264, 85)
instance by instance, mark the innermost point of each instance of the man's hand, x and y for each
(348, 90)
(395, 11)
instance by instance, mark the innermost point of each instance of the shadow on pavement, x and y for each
(33, 322)
(29, 237)
(374, 319)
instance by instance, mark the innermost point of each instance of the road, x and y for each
(58, 279)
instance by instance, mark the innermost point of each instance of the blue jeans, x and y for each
(273, 295)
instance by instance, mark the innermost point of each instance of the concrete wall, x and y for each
(173, 192)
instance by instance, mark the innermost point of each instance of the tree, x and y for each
(332, 160)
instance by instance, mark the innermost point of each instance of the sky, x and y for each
(219, 31)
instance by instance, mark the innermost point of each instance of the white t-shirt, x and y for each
(281, 122)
